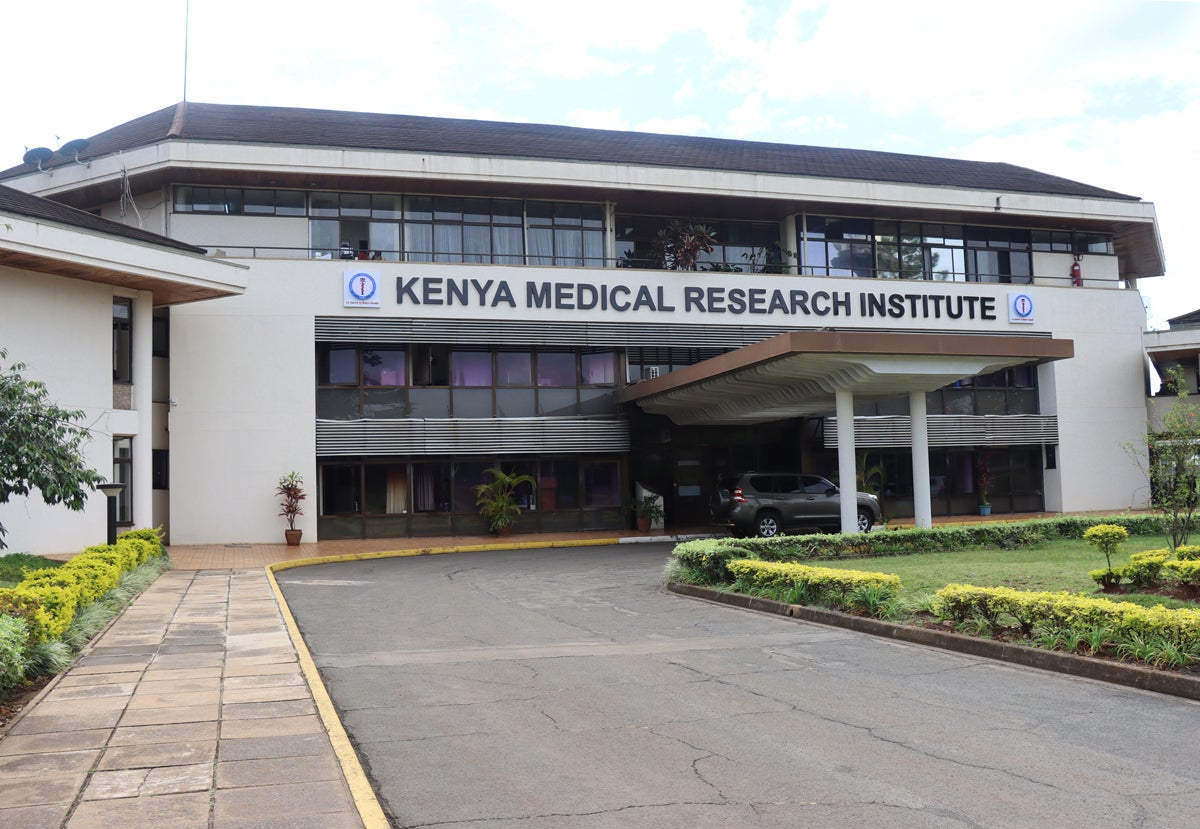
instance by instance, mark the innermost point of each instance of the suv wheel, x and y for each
(865, 520)
(767, 524)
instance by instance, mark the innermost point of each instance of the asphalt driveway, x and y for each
(565, 688)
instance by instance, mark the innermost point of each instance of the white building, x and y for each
(78, 300)
(425, 298)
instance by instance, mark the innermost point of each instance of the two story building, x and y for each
(426, 298)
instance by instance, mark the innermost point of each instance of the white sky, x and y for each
(1107, 93)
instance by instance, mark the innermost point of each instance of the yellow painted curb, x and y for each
(369, 810)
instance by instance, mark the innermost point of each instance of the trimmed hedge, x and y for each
(46, 600)
(824, 585)
(1057, 613)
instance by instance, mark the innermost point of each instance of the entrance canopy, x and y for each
(799, 373)
(804, 373)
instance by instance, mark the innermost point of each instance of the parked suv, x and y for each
(767, 503)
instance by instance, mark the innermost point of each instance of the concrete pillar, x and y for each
(847, 473)
(142, 497)
(922, 507)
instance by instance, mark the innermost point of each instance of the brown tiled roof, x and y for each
(410, 133)
(15, 203)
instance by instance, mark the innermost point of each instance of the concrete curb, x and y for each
(1103, 670)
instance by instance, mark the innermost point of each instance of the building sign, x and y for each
(361, 289)
(1020, 307)
(538, 295)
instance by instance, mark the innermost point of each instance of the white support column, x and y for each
(922, 508)
(847, 473)
(142, 497)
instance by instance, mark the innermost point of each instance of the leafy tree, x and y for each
(1174, 462)
(40, 445)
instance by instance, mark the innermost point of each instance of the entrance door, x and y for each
(691, 504)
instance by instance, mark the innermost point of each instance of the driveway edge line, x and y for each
(1115, 673)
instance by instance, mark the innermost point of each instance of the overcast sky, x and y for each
(1106, 93)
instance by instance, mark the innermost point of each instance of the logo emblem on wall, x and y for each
(360, 289)
(1020, 307)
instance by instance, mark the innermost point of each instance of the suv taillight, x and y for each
(738, 496)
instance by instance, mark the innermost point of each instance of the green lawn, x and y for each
(1052, 565)
(11, 566)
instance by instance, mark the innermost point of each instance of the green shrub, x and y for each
(831, 586)
(1184, 573)
(1144, 569)
(1188, 552)
(151, 536)
(28, 608)
(96, 576)
(14, 651)
(1107, 539)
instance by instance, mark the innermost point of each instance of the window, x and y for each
(161, 335)
(566, 234)
(122, 340)
(751, 247)
(160, 469)
(886, 249)
(123, 474)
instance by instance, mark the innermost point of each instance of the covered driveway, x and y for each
(805, 373)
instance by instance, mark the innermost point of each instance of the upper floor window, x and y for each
(122, 340)
(886, 249)
(751, 247)
(238, 201)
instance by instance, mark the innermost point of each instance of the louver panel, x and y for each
(452, 436)
(950, 430)
(526, 334)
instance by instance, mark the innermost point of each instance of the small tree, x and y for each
(1173, 462)
(40, 445)
(1107, 538)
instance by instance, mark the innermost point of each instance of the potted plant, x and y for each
(649, 512)
(985, 484)
(497, 499)
(291, 491)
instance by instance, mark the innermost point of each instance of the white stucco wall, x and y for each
(62, 329)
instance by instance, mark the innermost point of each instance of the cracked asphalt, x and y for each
(565, 688)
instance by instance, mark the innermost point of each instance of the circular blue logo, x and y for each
(362, 286)
(1022, 306)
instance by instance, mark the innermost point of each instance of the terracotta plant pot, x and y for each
(293, 537)
(643, 524)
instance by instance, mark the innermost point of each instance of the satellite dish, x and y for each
(37, 157)
(72, 149)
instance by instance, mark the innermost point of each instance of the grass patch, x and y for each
(13, 565)
(1062, 564)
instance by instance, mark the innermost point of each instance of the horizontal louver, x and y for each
(950, 430)
(453, 436)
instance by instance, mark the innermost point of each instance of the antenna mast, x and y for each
(187, 5)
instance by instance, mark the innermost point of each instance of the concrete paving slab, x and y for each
(72, 679)
(274, 802)
(53, 762)
(271, 693)
(172, 733)
(158, 755)
(41, 789)
(278, 680)
(164, 716)
(106, 785)
(265, 710)
(54, 741)
(35, 723)
(50, 816)
(264, 772)
(162, 697)
(262, 748)
(274, 727)
(171, 810)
